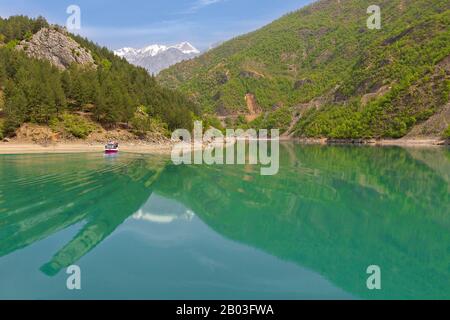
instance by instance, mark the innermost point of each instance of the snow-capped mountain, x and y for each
(157, 57)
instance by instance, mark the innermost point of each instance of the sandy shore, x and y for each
(411, 142)
(166, 148)
(26, 148)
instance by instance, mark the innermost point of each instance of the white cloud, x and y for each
(199, 4)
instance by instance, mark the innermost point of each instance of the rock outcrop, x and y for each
(36, 134)
(252, 106)
(434, 126)
(58, 48)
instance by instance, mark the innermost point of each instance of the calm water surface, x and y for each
(142, 228)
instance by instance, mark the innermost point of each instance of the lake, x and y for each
(140, 227)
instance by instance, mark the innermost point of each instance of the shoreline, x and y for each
(363, 142)
(31, 148)
(166, 148)
(414, 142)
(422, 142)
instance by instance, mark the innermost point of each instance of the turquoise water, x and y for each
(142, 228)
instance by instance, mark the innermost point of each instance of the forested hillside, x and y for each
(320, 72)
(111, 92)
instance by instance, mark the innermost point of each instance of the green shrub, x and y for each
(1, 129)
(12, 44)
(77, 126)
(241, 121)
(142, 124)
(279, 119)
(211, 121)
(447, 133)
(2, 100)
(28, 35)
(106, 64)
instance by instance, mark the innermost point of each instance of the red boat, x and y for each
(111, 148)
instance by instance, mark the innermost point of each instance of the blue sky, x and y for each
(136, 23)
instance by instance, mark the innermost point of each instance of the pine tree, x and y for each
(15, 107)
(2, 72)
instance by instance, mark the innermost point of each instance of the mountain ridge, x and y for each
(323, 66)
(157, 57)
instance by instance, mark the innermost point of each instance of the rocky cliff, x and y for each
(57, 47)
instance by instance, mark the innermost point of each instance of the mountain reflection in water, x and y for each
(334, 210)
